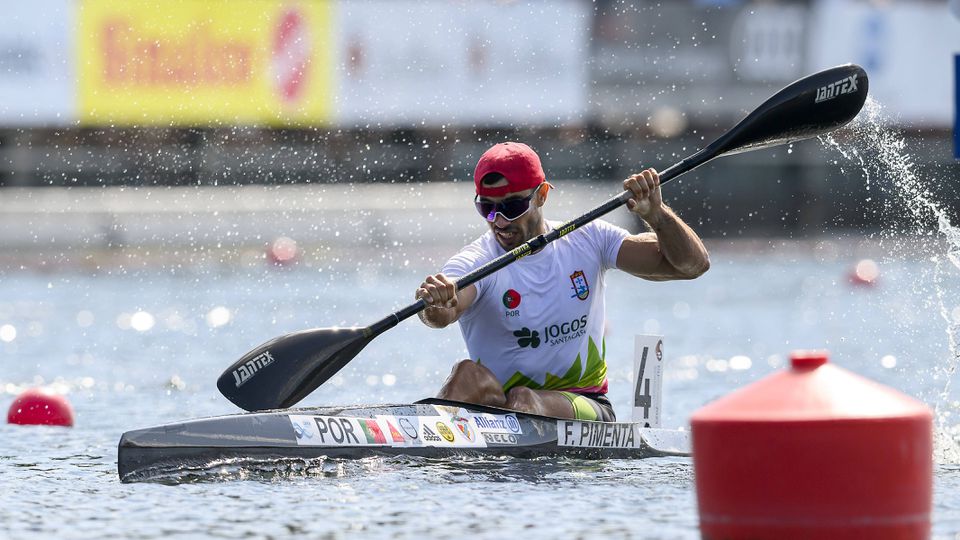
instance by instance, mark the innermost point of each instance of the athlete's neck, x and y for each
(539, 227)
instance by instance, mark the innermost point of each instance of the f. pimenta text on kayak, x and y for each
(597, 434)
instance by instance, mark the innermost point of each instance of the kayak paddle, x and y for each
(284, 370)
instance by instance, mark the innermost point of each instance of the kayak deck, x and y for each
(429, 428)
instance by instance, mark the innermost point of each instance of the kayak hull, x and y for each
(431, 428)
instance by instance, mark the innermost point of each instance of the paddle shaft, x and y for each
(542, 240)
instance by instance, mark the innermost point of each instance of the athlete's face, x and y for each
(511, 234)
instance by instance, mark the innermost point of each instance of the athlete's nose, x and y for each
(500, 221)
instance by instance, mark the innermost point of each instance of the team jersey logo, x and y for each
(528, 338)
(511, 299)
(581, 289)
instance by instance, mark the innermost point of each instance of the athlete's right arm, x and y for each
(445, 303)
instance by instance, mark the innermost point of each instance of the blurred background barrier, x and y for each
(216, 92)
(956, 107)
(341, 217)
(205, 62)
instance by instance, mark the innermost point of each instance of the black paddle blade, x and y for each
(812, 106)
(284, 370)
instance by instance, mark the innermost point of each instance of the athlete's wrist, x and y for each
(656, 219)
(435, 316)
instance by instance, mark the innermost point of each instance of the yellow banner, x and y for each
(205, 62)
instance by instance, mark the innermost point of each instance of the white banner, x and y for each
(404, 62)
(906, 48)
(37, 66)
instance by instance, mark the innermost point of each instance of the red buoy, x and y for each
(38, 407)
(283, 251)
(866, 272)
(814, 452)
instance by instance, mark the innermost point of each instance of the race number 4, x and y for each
(647, 379)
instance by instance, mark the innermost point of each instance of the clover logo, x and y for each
(527, 337)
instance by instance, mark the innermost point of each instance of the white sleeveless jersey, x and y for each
(539, 322)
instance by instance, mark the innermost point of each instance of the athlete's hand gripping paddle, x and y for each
(284, 370)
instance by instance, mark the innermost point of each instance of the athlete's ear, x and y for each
(542, 193)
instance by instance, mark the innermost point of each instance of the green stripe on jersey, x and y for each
(594, 375)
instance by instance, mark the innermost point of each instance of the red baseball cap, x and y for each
(517, 162)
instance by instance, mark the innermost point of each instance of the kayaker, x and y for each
(534, 329)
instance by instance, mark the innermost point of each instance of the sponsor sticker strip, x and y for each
(337, 431)
(452, 430)
(450, 427)
(495, 429)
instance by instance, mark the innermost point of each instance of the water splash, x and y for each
(881, 153)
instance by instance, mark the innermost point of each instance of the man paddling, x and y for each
(534, 330)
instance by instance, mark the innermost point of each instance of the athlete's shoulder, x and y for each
(602, 225)
(471, 256)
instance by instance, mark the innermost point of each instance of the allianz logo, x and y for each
(506, 423)
(832, 90)
(555, 333)
(250, 368)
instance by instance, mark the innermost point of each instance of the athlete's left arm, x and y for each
(673, 250)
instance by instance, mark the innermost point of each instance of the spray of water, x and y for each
(881, 153)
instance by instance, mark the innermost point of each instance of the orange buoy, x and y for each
(814, 452)
(38, 407)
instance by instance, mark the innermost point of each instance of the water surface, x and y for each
(144, 347)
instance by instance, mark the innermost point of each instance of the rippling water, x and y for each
(135, 349)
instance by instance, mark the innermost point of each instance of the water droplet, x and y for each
(8, 333)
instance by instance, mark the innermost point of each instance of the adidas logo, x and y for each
(429, 435)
